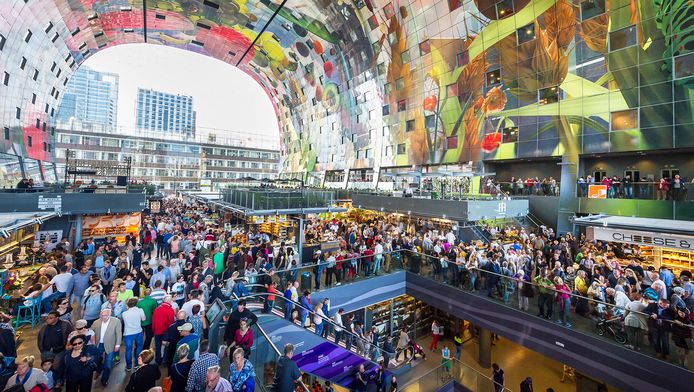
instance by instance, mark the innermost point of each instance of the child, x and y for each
(46, 367)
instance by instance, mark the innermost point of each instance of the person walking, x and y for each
(162, 317)
(287, 373)
(180, 370)
(198, 369)
(435, 330)
(148, 306)
(132, 333)
(52, 339)
(146, 375)
(498, 377)
(108, 336)
(79, 366)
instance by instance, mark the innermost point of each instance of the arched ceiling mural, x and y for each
(379, 83)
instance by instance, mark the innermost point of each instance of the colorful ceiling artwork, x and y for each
(381, 83)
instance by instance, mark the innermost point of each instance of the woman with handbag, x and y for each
(179, 371)
(146, 375)
(79, 365)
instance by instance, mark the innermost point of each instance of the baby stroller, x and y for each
(417, 349)
(611, 325)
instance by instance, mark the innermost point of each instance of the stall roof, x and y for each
(639, 224)
(16, 220)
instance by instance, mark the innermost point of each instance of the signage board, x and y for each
(114, 225)
(597, 191)
(50, 203)
(661, 240)
(47, 236)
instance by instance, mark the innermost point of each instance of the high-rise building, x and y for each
(160, 111)
(90, 100)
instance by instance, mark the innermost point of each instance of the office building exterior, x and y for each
(165, 112)
(90, 101)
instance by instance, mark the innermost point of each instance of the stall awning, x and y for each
(12, 221)
(641, 231)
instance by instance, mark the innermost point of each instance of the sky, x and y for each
(224, 97)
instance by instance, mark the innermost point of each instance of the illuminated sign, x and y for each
(644, 238)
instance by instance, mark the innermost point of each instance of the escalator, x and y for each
(318, 357)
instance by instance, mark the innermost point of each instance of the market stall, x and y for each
(660, 242)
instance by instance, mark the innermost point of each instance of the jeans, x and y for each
(288, 306)
(634, 336)
(303, 316)
(319, 329)
(107, 365)
(158, 340)
(338, 337)
(566, 312)
(47, 303)
(661, 340)
(458, 350)
(129, 340)
(377, 265)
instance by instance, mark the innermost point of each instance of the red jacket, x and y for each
(162, 318)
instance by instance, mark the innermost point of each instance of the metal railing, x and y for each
(266, 352)
(644, 190)
(449, 370)
(253, 199)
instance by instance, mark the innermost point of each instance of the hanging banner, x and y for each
(271, 218)
(597, 191)
(662, 240)
(115, 225)
(258, 219)
(283, 218)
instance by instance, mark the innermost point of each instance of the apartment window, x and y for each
(6, 79)
(48, 28)
(389, 151)
(55, 37)
(388, 88)
(462, 58)
(386, 110)
(405, 57)
(402, 105)
(624, 119)
(592, 8)
(430, 121)
(38, 123)
(454, 4)
(683, 66)
(399, 84)
(623, 38)
(27, 36)
(2, 41)
(509, 135)
(409, 126)
(504, 8)
(33, 99)
(45, 146)
(7, 133)
(18, 113)
(55, 65)
(401, 149)
(548, 95)
(452, 142)
(493, 77)
(23, 63)
(424, 47)
(29, 143)
(452, 90)
(36, 74)
(75, 31)
(525, 34)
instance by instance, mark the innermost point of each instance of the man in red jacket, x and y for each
(162, 317)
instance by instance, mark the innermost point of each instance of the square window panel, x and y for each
(684, 66)
(452, 90)
(402, 105)
(623, 38)
(493, 77)
(389, 10)
(386, 110)
(504, 8)
(399, 84)
(592, 8)
(400, 149)
(452, 142)
(462, 58)
(388, 88)
(430, 121)
(405, 57)
(454, 4)
(624, 119)
(373, 22)
(424, 47)
(525, 34)
(548, 95)
(393, 38)
(509, 135)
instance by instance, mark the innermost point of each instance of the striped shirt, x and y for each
(159, 295)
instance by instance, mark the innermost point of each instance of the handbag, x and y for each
(166, 384)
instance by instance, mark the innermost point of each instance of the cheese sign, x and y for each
(661, 240)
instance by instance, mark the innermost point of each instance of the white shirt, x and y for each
(104, 326)
(62, 281)
(338, 321)
(188, 306)
(378, 250)
(132, 319)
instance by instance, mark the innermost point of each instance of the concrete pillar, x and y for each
(300, 240)
(485, 348)
(78, 230)
(568, 203)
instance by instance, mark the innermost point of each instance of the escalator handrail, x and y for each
(325, 319)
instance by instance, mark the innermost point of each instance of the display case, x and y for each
(676, 260)
(380, 316)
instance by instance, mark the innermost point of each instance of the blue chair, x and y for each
(29, 313)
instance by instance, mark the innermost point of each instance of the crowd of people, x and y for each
(145, 299)
(666, 188)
